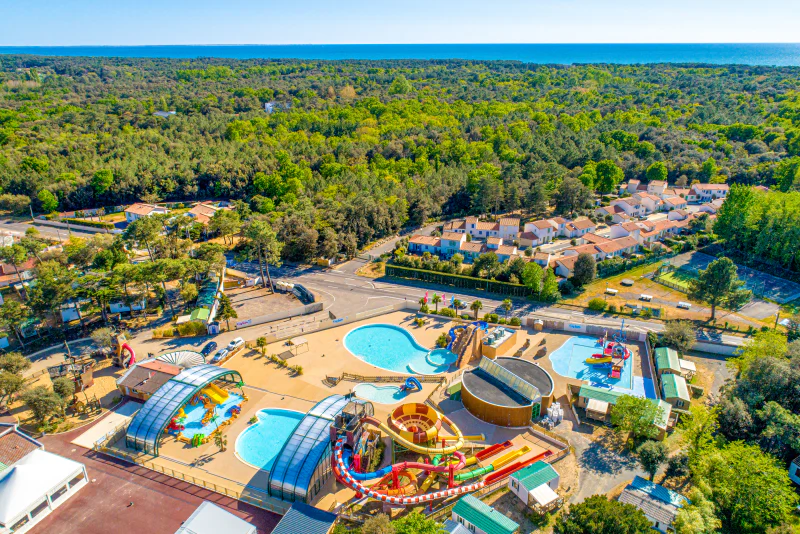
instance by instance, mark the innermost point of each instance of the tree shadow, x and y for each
(607, 455)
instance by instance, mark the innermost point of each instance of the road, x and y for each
(17, 228)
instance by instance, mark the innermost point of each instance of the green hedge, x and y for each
(457, 280)
(93, 224)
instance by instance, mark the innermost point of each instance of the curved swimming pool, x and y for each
(570, 360)
(379, 394)
(261, 442)
(392, 348)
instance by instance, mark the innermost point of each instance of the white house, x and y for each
(506, 228)
(579, 227)
(656, 187)
(678, 215)
(617, 214)
(528, 239)
(480, 518)
(651, 203)
(140, 209)
(633, 186)
(420, 244)
(535, 485)
(700, 193)
(451, 242)
(674, 203)
(545, 230)
(505, 252)
(632, 206)
(119, 306)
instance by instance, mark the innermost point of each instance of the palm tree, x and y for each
(436, 299)
(475, 306)
(261, 343)
(506, 307)
(220, 441)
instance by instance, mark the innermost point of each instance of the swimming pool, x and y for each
(195, 413)
(379, 394)
(261, 442)
(392, 348)
(569, 360)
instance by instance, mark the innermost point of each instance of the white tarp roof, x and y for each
(687, 365)
(211, 519)
(596, 405)
(30, 479)
(543, 495)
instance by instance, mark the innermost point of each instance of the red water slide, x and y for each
(513, 468)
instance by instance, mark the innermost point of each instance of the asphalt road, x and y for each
(17, 228)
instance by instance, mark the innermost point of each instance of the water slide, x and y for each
(513, 468)
(411, 382)
(217, 395)
(344, 476)
(483, 325)
(494, 466)
(132, 359)
(429, 451)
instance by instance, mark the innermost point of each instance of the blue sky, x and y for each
(142, 22)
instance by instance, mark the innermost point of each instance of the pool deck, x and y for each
(269, 386)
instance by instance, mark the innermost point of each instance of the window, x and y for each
(19, 524)
(76, 479)
(41, 507)
(514, 484)
(58, 493)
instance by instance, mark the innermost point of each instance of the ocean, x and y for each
(781, 54)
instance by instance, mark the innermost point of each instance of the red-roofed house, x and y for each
(140, 209)
(419, 244)
(701, 193)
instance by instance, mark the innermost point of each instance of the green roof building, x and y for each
(667, 361)
(481, 518)
(535, 485)
(675, 390)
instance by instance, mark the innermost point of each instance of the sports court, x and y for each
(761, 284)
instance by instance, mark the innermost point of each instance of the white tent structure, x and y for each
(211, 519)
(35, 486)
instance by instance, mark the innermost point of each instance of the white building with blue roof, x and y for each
(659, 504)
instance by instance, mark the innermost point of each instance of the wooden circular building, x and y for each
(507, 391)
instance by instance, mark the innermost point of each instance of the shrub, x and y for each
(86, 222)
(447, 312)
(465, 316)
(442, 340)
(647, 313)
(298, 370)
(419, 321)
(491, 317)
(515, 321)
(424, 309)
(597, 304)
(192, 328)
(612, 308)
(501, 320)
(253, 420)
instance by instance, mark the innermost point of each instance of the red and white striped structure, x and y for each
(342, 474)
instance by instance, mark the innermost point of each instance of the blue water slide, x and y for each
(483, 325)
(380, 473)
(412, 382)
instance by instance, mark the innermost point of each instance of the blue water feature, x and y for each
(570, 360)
(392, 348)
(194, 416)
(261, 442)
(380, 394)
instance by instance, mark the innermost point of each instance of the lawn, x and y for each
(678, 278)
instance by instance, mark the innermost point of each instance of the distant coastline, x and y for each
(770, 54)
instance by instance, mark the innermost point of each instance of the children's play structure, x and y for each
(415, 428)
(613, 353)
(411, 385)
(211, 398)
(123, 356)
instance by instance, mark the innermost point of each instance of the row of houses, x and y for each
(695, 194)
(656, 197)
(202, 211)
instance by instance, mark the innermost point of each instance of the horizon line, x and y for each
(406, 44)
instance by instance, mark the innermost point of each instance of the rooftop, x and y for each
(209, 518)
(453, 236)
(535, 475)
(674, 387)
(304, 519)
(14, 445)
(667, 358)
(484, 516)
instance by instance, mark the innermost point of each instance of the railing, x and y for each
(397, 379)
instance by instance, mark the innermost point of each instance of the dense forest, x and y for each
(354, 150)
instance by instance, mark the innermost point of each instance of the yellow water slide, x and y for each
(510, 457)
(421, 449)
(215, 393)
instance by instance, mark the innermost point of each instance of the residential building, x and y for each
(659, 504)
(506, 228)
(505, 252)
(536, 485)
(675, 391)
(472, 250)
(599, 403)
(701, 193)
(633, 186)
(541, 258)
(451, 527)
(667, 361)
(480, 518)
(545, 230)
(579, 227)
(493, 242)
(528, 239)
(203, 212)
(679, 214)
(656, 187)
(632, 206)
(675, 203)
(419, 244)
(618, 215)
(651, 203)
(140, 209)
(143, 379)
(164, 114)
(565, 265)
(451, 242)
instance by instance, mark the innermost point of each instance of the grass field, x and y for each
(678, 278)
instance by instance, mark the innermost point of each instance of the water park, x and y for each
(382, 413)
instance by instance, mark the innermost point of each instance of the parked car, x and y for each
(209, 348)
(235, 344)
(219, 355)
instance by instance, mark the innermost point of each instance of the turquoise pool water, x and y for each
(379, 394)
(392, 348)
(569, 360)
(194, 414)
(261, 442)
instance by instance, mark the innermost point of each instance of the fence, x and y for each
(468, 282)
(396, 379)
(77, 227)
